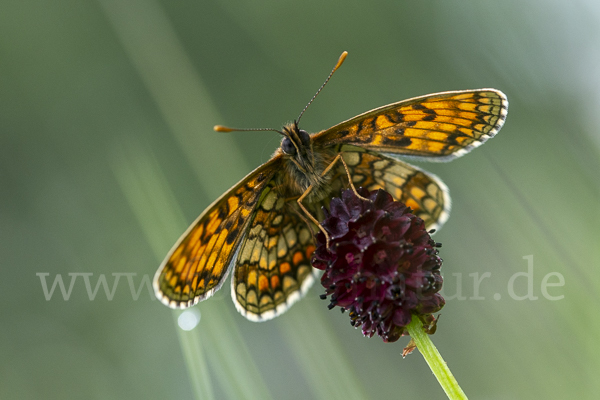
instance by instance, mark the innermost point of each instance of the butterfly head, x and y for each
(296, 147)
(295, 142)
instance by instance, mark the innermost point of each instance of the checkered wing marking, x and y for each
(273, 268)
(198, 263)
(422, 191)
(435, 127)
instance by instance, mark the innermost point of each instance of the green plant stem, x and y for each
(434, 360)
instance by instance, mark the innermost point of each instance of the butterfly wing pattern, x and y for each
(257, 229)
(436, 127)
(198, 263)
(273, 266)
(422, 191)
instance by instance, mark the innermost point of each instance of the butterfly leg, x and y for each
(309, 215)
(303, 218)
(350, 178)
(310, 188)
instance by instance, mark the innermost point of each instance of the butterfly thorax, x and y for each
(303, 164)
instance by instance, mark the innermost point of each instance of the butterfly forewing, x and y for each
(273, 265)
(437, 127)
(198, 263)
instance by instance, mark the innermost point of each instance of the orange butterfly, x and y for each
(263, 226)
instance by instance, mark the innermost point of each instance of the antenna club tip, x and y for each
(341, 60)
(221, 128)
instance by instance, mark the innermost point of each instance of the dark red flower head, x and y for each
(381, 264)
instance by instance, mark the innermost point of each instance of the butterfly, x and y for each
(260, 230)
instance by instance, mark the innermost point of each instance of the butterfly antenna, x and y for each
(221, 128)
(337, 65)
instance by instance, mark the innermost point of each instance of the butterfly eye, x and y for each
(304, 137)
(287, 146)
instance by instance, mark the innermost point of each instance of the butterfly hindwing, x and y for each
(422, 191)
(436, 127)
(197, 265)
(272, 270)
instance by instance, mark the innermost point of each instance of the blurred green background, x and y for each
(107, 153)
